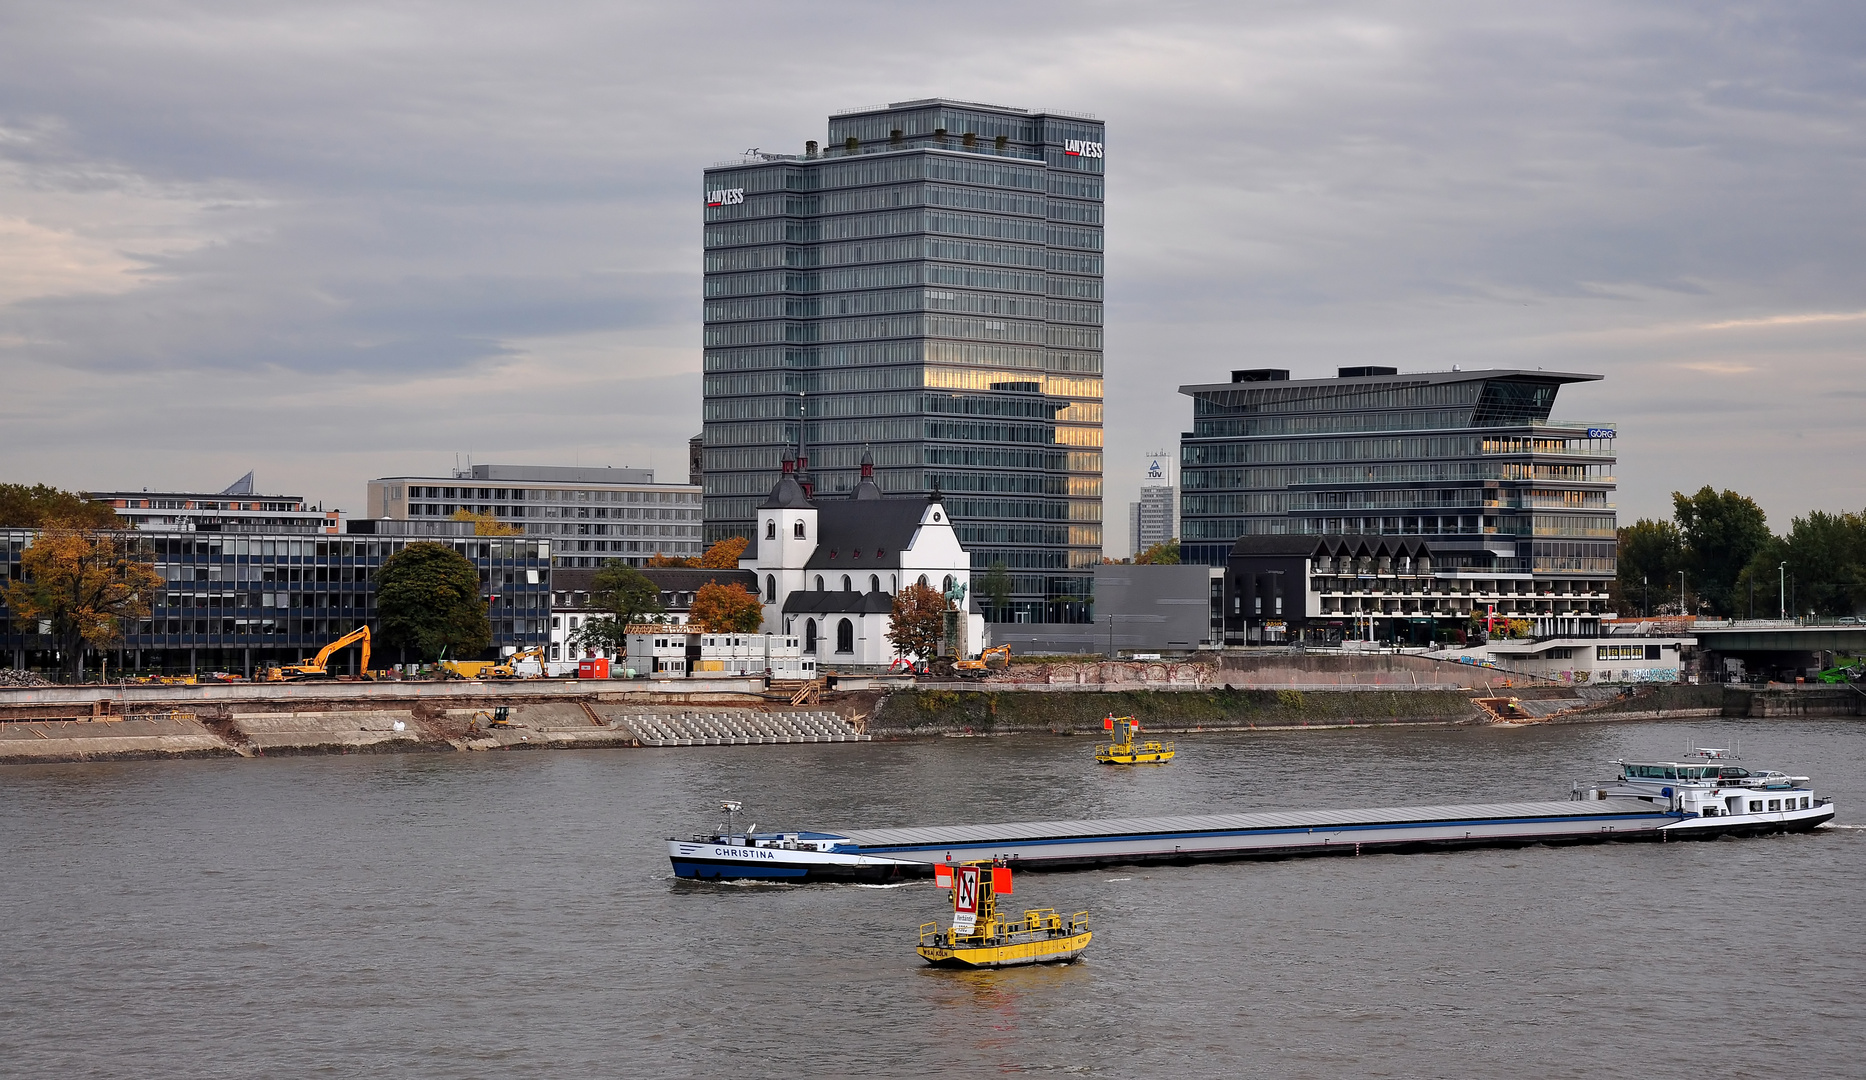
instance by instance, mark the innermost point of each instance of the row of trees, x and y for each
(1734, 566)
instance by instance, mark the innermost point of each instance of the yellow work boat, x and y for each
(1127, 751)
(977, 938)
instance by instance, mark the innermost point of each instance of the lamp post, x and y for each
(1646, 584)
(1681, 592)
(1781, 581)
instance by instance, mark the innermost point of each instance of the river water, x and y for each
(493, 915)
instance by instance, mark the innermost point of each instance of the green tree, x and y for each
(619, 595)
(1164, 553)
(996, 586)
(1651, 553)
(1826, 557)
(1722, 532)
(23, 507)
(917, 620)
(624, 594)
(427, 600)
(84, 582)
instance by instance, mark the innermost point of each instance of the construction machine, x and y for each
(317, 668)
(993, 659)
(494, 669)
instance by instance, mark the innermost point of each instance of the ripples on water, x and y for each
(513, 915)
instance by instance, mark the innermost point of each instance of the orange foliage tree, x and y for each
(487, 525)
(661, 561)
(84, 582)
(724, 555)
(917, 621)
(725, 609)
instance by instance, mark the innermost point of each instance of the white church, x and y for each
(828, 568)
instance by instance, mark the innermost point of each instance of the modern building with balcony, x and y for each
(1463, 470)
(926, 286)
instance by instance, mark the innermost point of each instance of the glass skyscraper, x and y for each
(1469, 460)
(925, 286)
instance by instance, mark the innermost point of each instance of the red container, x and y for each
(593, 669)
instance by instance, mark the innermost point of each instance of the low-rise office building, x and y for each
(236, 603)
(591, 515)
(571, 609)
(239, 508)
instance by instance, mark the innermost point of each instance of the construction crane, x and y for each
(317, 668)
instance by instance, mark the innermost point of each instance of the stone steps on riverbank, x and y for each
(740, 727)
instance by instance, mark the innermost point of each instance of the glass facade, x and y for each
(927, 287)
(1470, 461)
(235, 603)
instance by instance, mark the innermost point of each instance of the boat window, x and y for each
(1775, 804)
(1755, 806)
(1804, 804)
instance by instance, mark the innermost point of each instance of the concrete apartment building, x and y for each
(592, 515)
(927, 286)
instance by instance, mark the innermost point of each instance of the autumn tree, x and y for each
(724, 555)
(84, 582)
(427, 600)
(619, 595)
(996, 586)
(917, 621)
(487, 525)
(672, 562)
(23, 507)
(1164, 553)
(725, 608)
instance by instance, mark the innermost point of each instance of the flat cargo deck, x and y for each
(1180, 838)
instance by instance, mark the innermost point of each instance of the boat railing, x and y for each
(931, 935)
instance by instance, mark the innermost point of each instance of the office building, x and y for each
(236, 603)
(1469, 461)
(239, 508)
(592, 515)
(1155, 518)
(926, 285)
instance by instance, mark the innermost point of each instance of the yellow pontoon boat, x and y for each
(1127, 751)
(979, 939)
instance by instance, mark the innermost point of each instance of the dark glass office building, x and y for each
(926, 285)
(1470, 461)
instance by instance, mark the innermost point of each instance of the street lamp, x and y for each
(1781, 581)
(1681, 592)
(1646, 583)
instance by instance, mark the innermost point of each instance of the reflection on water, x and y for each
(514, 915)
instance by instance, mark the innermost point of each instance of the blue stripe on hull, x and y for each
(735, 870)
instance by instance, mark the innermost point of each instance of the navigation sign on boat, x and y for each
(965, 900)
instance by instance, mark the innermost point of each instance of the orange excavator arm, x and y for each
(361, 633)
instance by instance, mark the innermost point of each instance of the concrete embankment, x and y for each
(1011, 711)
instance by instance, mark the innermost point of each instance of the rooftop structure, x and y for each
(238, 508)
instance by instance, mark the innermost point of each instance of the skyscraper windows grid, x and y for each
(926, 285)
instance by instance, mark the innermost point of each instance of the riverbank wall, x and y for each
(51, 724)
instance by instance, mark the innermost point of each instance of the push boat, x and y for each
(1650, 801)
(1127, 751)
(978, 938)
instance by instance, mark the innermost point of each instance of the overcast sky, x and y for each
(331, 242)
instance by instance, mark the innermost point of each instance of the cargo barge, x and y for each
(1649, 801)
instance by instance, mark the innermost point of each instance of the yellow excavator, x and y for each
(492, 669)
(994, 659)
(316, 668)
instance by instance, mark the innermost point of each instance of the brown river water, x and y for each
(513, 915)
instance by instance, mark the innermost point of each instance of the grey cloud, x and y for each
(412, 193)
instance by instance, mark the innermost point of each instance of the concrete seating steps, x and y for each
(740, 728)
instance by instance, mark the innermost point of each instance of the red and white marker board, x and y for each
(965, 899)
